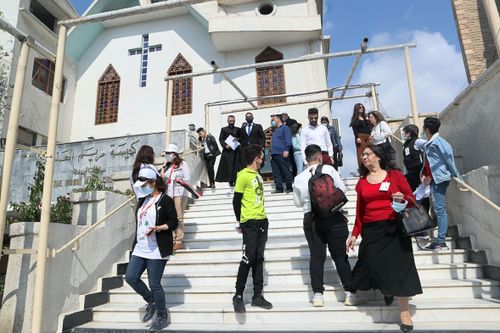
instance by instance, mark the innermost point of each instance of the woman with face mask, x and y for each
(153, 244)
(176, 170)
(145, 155)
(385, 259)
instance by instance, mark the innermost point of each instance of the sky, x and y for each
(438, 68)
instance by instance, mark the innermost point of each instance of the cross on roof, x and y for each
(144, 51)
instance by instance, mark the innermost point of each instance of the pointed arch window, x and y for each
(270, 80)
(108, 96)
(182, 94)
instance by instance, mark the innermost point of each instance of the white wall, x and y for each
(284, 8)
(142, 110)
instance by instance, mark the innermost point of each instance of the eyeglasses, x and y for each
(366, 155)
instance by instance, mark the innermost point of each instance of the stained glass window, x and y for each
(270, 80)
(108, 96)
(182, 95)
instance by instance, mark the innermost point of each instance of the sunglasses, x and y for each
(144, 179)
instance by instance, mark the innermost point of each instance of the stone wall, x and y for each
(476, 39)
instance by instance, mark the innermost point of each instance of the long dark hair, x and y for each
(354, 117)
(295, 128)
(385, 163)
(160, 184)
(145, 155)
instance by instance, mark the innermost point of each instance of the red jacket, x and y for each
(374, 205)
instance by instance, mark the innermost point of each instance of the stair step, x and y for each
(270, 200)
(300, 312)
(422, 327)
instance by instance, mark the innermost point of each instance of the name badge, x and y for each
(407, 151)
(384, 187)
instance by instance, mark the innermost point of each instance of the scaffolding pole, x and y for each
(326, 99)
(411, 86)
(231, 82)
(136, 10)
(289, 61)
(47, 185)
(363, 47)
(22, 37)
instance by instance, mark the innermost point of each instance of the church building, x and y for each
(114, 71)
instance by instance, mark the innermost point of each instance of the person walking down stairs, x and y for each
(385, 258)
(153, 244)
(323, 232)
(248, 205)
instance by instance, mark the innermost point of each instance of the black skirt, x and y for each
(385, 261)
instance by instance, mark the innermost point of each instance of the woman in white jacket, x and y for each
(176, 171)
(380, 134)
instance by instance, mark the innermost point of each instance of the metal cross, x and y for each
(144, 51)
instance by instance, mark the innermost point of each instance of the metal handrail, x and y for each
(467, 188)
(75, 239)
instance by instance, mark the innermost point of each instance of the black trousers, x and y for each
(254, 244)
(210, 162)
(332, 234)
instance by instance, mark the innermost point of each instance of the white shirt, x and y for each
(147, 246)
(301, 185)
(181, 172)
(318, 135)
(380, 133)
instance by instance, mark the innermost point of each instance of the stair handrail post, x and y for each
(10, 143)
(36, 324)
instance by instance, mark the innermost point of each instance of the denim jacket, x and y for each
(440, 156)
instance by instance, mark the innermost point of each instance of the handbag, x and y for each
(416, 219)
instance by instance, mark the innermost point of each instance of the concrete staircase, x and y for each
(199, 282)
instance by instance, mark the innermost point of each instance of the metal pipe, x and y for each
(374, 97)
(207, 115)
(22, 37)
(237, 101)
(231, 82)
(490, 7)
(136, 10)
(289, 61)
(326, 99)
(10, 143)
(47, 184)
(411, 86)
(170, 92)
(363, 47)
(482, 197)
(55, 252)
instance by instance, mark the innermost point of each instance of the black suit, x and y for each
(227, 170)
(257, 135)
(209, 158)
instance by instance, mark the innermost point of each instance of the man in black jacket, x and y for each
(211, 151)
(287, 120)
(227, 165)
(251, 133)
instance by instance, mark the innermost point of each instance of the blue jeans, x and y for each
(281, 171)
(299, 163)
(438, 193)
(155, 267)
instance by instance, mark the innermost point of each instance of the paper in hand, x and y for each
(232, 142)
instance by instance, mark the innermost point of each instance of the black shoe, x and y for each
(238, 304)
(260, 301)
(289, 190)
(388, 300)
(406, 328)
(231, 184)
(436, 246)
(276, 192)
(149, 312)
(160, 323)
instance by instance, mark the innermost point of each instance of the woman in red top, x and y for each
(385, 259)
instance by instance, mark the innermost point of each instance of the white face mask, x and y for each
(170, 157)
(143, 191)
(399, 206)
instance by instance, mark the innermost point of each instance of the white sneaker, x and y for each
(318, 300)
(353, 299)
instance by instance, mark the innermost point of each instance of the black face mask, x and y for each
(249, 120)
(231, 125)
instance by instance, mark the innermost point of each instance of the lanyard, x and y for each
(143, 211)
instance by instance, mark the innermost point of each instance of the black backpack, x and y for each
(326, 199)
(414, 160)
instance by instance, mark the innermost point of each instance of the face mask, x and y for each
(423, 136)
(324, 124)
(273, 123)
(147, 190)
(169, 158)
(407, 136)
(249, 120)
(398, 207)
(231, 125)
(143, 191)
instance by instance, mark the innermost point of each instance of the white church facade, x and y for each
(114, 70)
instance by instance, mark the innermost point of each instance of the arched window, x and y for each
(182, 95)
(270, 80)
(108, 96)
